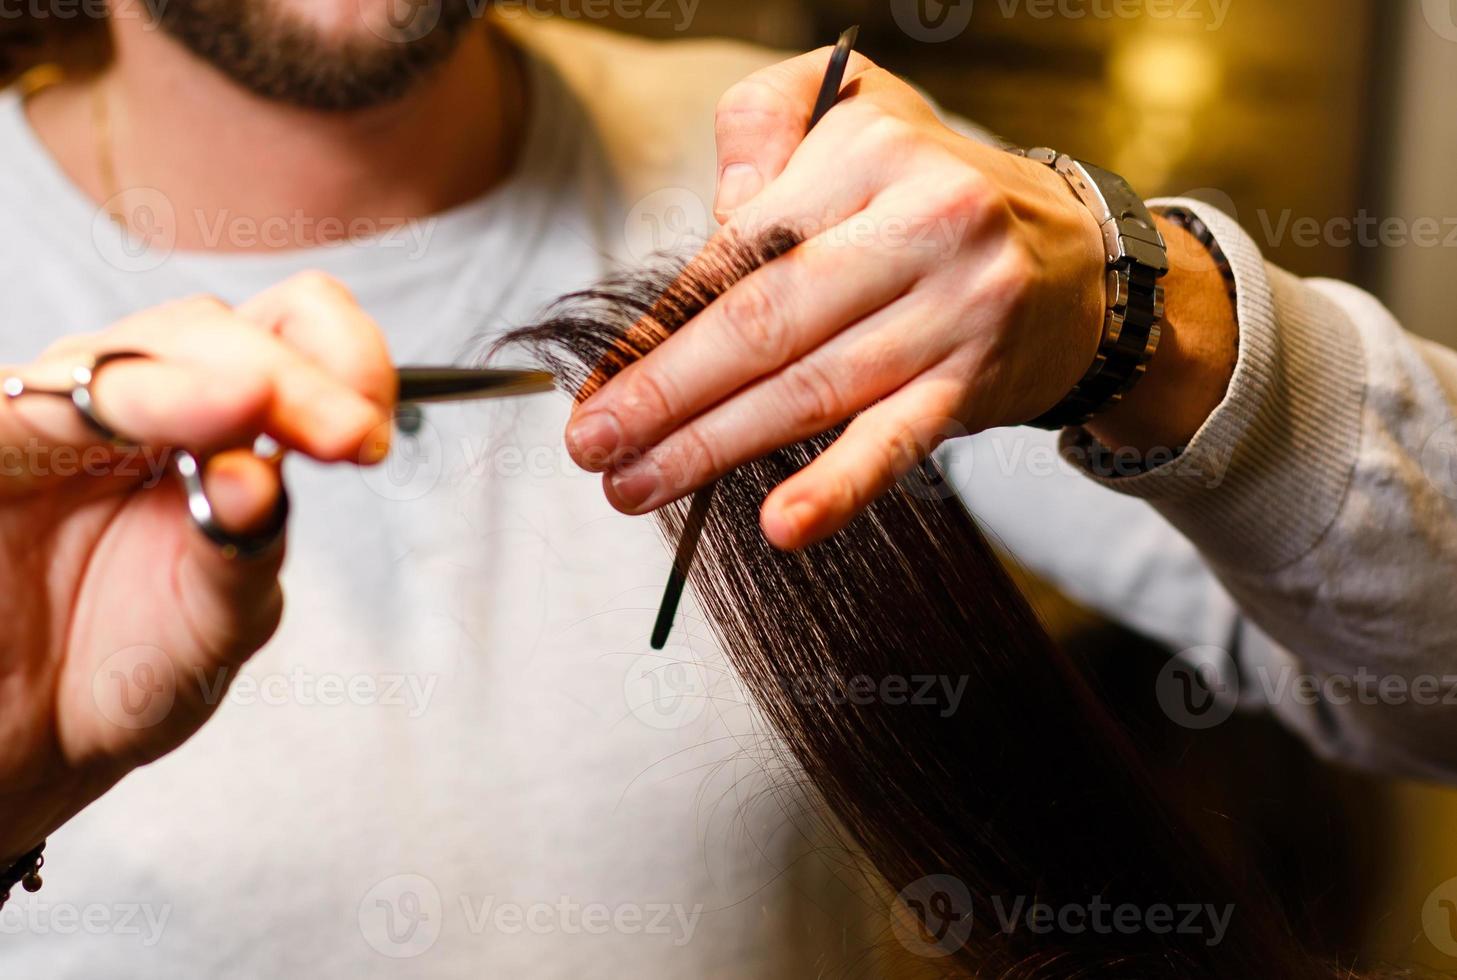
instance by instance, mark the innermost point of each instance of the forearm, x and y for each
(1310, 489)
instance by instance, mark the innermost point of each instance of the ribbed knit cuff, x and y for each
(1266, 474)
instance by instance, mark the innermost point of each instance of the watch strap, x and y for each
(1137, 258)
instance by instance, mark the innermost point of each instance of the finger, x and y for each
(243, 490)
(147, 402)
(760, 120)
(238, 599)
(875, 450)
(311, 410)
(770, 318)
(858, 367)
(316, 314)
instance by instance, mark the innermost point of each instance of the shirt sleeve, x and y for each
(1322, 494)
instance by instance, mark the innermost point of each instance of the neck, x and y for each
(242, 173)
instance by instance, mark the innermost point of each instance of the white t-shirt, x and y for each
(459, 756)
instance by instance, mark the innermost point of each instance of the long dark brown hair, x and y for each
(1024, 792)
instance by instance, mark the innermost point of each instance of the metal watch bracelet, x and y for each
(1137, 258)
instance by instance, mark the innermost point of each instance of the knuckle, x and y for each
(753, 100)
(749, 317)
(314, 284)
(698, 458)
(881, 132)
(842, 495)
(646, 400)
(811, 393)
(966, 194)
(1011, 279)
(200, 305)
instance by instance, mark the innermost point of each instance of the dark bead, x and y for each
(31, 882)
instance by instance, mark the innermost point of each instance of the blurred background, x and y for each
(1327, 127)
(1307, 118)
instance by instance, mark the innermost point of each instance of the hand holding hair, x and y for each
(942, 287)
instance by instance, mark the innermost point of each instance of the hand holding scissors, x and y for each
(116, 609)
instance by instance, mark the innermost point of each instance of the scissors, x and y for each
(417, 384)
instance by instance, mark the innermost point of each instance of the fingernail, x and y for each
(593, 438)
(634, 486)
(376, 445)
(738, 183)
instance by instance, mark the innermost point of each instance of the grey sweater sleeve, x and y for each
(1322, 494)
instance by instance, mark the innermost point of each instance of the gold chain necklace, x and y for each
(105, 157)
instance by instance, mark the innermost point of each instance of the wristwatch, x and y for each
(1137, 259)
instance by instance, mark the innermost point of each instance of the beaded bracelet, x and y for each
(25, 872)
(1195, 226)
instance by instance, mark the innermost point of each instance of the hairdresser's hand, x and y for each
(943, 287)
(120, 617)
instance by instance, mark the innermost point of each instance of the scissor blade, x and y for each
(441, 384)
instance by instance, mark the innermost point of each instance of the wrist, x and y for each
(1189, 375)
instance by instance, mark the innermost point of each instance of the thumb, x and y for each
(761, 120)
(237, 597)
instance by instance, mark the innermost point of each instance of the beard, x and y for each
(280, 56)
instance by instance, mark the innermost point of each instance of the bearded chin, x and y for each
(281, 57)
